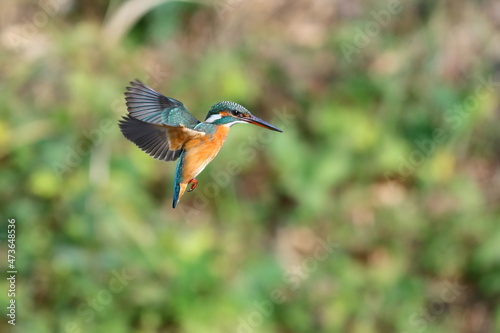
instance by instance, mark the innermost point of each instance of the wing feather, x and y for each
(148, 105)
(162, 142)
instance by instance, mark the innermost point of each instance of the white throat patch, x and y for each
(235, 122)
(213, 118)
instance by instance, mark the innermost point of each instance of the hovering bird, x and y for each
(163, 127)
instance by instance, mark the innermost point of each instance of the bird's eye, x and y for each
(236, 113)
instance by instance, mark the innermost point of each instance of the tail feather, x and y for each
(178, 193)
(179, 187)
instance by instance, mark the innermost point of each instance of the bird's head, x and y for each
(230, 113)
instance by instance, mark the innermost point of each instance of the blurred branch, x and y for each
(127, 15)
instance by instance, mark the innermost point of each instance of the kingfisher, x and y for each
(163, 128)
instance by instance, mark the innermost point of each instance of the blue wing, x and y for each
(150, 138)
(148, 105)
(162, 142)
(157, 124)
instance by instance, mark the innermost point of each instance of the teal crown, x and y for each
(226, 106)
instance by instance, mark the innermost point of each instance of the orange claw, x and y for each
(194, 184)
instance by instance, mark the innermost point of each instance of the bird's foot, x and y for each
(193, 183)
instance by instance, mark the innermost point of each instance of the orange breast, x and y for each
(200, 151)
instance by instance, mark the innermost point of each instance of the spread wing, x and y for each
(162, 142)
(148, 105)
(158, 125)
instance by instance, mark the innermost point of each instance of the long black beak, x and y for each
(259, 122)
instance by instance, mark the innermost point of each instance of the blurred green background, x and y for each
(377, 209)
